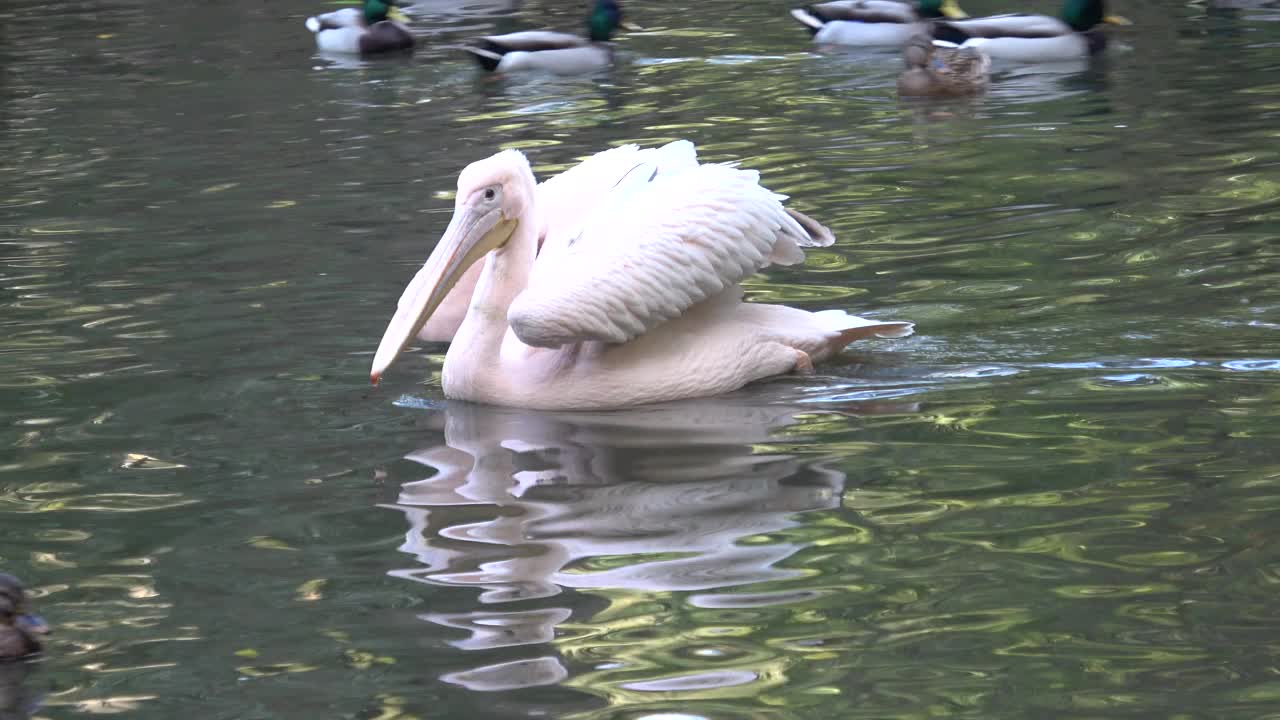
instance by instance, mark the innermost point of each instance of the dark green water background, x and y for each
(1059, 499)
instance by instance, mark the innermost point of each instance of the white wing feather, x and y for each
(652, 251)
(565, 201)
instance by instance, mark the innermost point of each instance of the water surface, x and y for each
(1058, 498)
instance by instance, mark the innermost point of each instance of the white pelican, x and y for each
(633, 297)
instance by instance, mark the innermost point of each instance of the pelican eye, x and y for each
(489, 196)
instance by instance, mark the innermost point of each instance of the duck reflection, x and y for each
(678, 497)
(18, 700)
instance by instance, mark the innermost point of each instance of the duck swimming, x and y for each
(377, 27)
(1075, 34)
(20, 631)
(554, 52)
(873, 22)
(939, 68)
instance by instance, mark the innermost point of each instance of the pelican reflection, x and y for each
(682, 497)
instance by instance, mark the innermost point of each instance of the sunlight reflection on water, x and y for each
(1058, 498)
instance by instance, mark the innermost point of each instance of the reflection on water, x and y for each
(712, 552)
(622, 506)
(19, 699)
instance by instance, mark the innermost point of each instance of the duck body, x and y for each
(554, 52)
(1025, 38)
(381, 37)
(20, 630)
(872, 22)
(941, 69)
(370, 30)
(18, 641)
(631, 298)
(1021, 38)
(866, 34)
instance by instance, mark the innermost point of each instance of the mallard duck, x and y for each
(1034, 38)
(936, 67)
(377, 27)
(555, 52)
(20, 631)
(873, 22)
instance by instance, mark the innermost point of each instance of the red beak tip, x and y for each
(374, 378)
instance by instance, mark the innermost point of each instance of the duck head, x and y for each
(379, 10)
(1084, 15)
(605, 19)
(20, 631)
(934, 9)
(917, 52)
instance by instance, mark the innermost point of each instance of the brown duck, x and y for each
(941, 69)
(20, 631)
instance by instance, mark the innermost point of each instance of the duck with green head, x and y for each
(559, 53)
(20, 631)
(873, 22)
(376, 27)
(1018, 37)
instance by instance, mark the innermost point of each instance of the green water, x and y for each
(1058, 499)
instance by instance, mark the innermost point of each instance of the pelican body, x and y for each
(633, 295)
(554, 52)
(369, 30)
(873, 22)
(1034, 38)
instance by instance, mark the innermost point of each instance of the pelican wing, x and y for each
(657, 245)
(567, 200)
(996, 26)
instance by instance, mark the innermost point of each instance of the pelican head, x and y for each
(495, 196)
